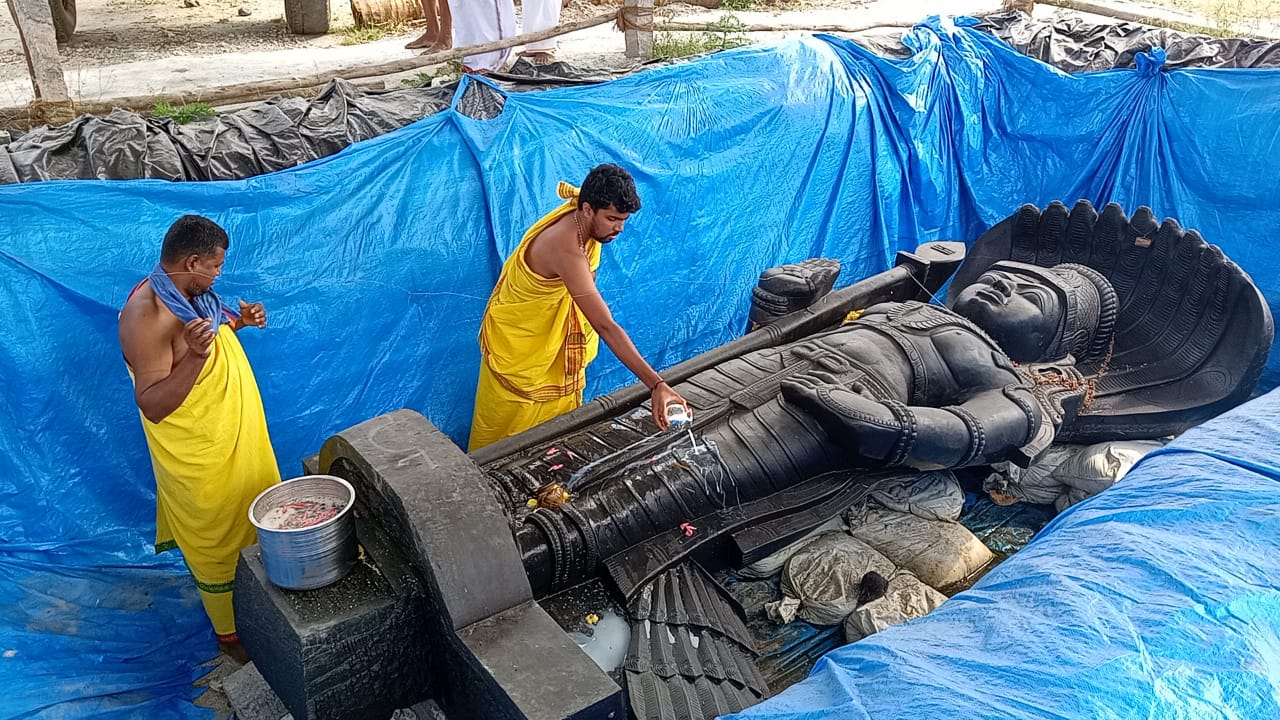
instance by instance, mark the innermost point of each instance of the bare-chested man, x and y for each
(545, 318)
(201, 412)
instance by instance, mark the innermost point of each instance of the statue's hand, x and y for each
(852, 417)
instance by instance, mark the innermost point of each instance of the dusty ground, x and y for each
(118, 31)
(134, 47)
(1232, 15)
(115, 31)
(147, 47)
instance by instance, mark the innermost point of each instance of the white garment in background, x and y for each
(540, 15)
(476, 22)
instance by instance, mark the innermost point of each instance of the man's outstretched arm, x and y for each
(574, 270)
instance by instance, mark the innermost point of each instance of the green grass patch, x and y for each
(451, 70)
(183, 114)
(352, 35)
(725, 34)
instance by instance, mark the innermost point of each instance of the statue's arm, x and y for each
(986, 428)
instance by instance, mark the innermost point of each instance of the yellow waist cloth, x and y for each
(501, 413)
(211, 457)
(535, 341)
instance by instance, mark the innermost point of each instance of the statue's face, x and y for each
(1020, 312)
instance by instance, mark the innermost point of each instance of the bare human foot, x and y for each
(539, 57)
(234, 650)
(426, 40)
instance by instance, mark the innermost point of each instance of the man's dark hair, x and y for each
(609, 186)
(193, 235)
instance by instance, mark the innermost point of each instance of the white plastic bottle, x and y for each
(678, 417)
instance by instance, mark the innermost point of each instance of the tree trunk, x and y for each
(370, 13)
(34, 21)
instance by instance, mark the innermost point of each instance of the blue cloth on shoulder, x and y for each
(208, 305)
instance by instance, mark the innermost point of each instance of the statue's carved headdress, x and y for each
(1089, 308)
(1183, 335)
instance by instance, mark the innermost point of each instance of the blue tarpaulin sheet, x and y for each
(375, 265)
(1158, 599)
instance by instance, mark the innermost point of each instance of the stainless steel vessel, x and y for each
(306, 558)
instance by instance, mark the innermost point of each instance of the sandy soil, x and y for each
(147, 47)
(111, 32)
(116, 31)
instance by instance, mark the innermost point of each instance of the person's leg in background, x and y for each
(540, 15)
(437, 34)
(430, 28)
(446, 25)
(483, 21)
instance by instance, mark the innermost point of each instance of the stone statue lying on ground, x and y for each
(931, 387)
(1163, 334)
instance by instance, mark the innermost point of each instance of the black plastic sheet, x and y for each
(265, 137)
(1078, 45)
(285, 132)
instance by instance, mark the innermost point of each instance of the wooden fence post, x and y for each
(39, 44)
(35, 31)
(637, 19)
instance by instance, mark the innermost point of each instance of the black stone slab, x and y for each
(433, 499)
(632, 568)
(251, 697)
(342, 651)
(481, 621)
(528, 668)
(691, 656)
(442, 608)
(760, 540)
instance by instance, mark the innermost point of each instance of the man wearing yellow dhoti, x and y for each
(201, 412)
(545, 318)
